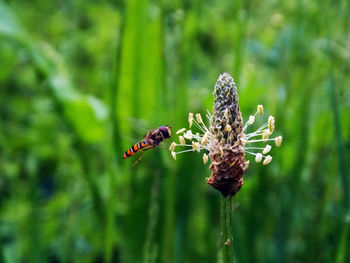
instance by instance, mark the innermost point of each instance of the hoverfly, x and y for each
(152, 139)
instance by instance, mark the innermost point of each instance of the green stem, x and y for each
(226, 230)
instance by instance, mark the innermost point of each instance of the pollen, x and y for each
(271, 123)
(188, 135)
(267, 160)
(266, 134)
(251, 120)
(205, 158)
(199, 118)
(195, 146)
(173, 154)
(181, 131)
(258, 157)
(260, 109)
(182, 140)
(278, 141)
(205, 139)
(267, 149)
(172, 146)
(190, 119)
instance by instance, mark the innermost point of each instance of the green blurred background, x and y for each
(81, 81)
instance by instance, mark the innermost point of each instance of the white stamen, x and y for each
(199, 118)
(188, 135)
(205, 139)
(278, 141)
(184, 151)
(205, 158)
(271, 123)
(261, 140)
(258, 131)
(195, 146)
(182, 140)
(266, 134)
(250, 153)
(254, 148)
(258, 157)
(202, 140)
(251, 120)
(190, 119)
(267, 149)
(202, 127)
(267, 160)
(172, 146)
(181, 131)
(208, 115)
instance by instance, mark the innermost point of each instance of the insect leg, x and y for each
(167, 143)
(141, 153)
(166, 147)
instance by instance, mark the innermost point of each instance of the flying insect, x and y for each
(152, 139)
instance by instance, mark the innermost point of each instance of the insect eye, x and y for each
(164, 131)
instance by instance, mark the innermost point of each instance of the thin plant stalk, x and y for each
(226, 244)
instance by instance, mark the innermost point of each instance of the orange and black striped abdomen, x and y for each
(134, 149)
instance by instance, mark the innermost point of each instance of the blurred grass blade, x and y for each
(340, 145)
(86, 114)
(9, 26)
(343, 238)
(343, 248)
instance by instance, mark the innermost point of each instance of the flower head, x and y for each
(226, 139)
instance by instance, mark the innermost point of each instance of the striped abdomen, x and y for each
(134, 149)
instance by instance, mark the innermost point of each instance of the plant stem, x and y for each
(226, 229)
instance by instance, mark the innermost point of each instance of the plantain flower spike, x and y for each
(226, 138)
(226, 151)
